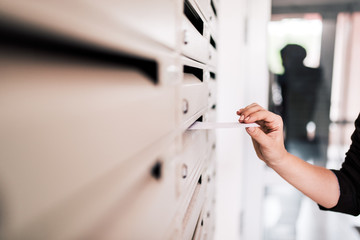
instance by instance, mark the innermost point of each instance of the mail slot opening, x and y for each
(197, 72)
(200, 119)
(156, 170)
(212, 42)
(146, 66)
(200, 179)
(28, 39)
(193, 17)
(213, 7)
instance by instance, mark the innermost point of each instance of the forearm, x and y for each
(318, 183)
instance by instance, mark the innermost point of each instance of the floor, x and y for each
(291, 216)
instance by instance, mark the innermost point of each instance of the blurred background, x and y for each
(328, 31)
(96, 101)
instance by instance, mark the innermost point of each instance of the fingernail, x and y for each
(246, 119)
(241, 117)
(250, 129)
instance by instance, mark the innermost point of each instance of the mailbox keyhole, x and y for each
(184, 171)
(185, 106)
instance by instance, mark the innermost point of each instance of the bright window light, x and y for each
(301, 31)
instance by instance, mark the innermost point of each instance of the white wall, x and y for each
(230, 98)
(256, 79)
(243, 79)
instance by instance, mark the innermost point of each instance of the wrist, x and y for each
(280, 160)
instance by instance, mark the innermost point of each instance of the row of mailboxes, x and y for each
(143, 29)
(198, 36)
(68, 142)
(96, 100)
(70, 126)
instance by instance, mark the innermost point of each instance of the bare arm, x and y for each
(318, 183)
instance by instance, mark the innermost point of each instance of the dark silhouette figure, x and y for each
(299, 87)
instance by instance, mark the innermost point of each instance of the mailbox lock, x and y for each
(186, 37)
(184, 171)
(185, 106)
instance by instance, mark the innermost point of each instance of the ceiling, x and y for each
(310, 2)
(321, 6)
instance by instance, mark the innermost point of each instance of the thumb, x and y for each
(258, 135)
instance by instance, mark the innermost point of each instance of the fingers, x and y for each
(251, 106)
(261, 115)
(245, 112)
(259, 137)
(257, 149)
(255, 113)
(268, 139)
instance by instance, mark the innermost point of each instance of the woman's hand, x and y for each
(318, 183)
(268, 140)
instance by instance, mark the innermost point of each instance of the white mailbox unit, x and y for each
(96, 98)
